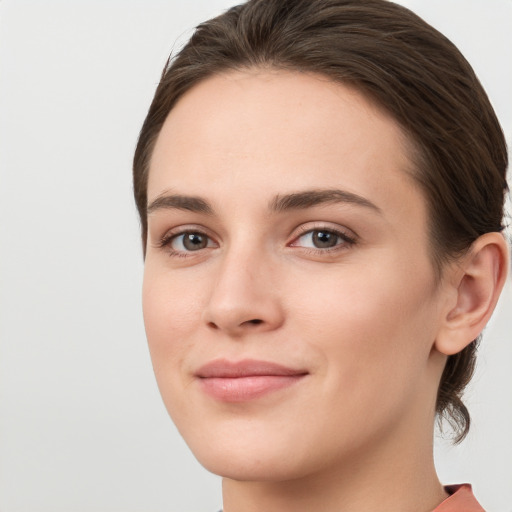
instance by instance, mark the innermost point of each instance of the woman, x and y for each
(320, 186)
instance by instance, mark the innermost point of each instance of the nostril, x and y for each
(236, 326)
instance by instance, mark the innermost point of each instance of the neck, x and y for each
(398, 475)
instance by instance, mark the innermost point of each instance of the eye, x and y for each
(188, 241)
(322, 239)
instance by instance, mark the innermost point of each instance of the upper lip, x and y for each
(222, 368)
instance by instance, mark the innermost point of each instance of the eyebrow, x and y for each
(180, 202)
(280, 203)
(310, 198)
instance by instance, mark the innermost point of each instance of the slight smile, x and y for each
(245, 380)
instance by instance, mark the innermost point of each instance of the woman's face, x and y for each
(289, 299)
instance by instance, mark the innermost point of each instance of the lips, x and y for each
(245, 380)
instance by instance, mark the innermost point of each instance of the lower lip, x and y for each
(243, 389)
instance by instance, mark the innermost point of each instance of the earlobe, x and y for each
(481, 275)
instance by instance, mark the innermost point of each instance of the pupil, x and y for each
(194, 241)
(323, 239)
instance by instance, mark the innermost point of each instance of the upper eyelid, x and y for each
(187, 228)
(326, 226)
(170, 234)
(345, 239)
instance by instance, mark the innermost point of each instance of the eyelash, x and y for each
(166, 241)
(344, 241)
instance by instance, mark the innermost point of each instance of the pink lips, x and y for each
(245, 380)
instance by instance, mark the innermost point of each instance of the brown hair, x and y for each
(408, 68)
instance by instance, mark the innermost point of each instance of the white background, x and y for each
(82, 427)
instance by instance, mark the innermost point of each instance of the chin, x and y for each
(251, 467)
(247, 453)
(263, 453)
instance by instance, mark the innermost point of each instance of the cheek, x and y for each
(370, 323)
(373, 338)
(170, 313)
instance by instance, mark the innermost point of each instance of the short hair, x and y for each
(401, 63)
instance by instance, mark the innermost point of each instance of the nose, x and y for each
(244, 297)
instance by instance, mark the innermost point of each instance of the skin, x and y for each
(361, 318)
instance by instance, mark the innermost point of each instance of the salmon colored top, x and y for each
(461, 499)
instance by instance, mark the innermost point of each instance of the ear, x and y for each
(476, 282)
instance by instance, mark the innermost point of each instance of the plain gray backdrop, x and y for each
(82, 426)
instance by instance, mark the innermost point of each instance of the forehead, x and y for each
(256, 130)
